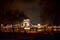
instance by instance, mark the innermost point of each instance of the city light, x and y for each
(26, 26)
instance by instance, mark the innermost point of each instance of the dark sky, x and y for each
(39, 11)
(30, 8)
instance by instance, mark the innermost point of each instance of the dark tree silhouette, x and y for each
(12, 16)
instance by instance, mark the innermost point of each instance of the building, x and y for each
(26, 22)
(39, 26)
(9, 26)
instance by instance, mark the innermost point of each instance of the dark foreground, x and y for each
(25, 36)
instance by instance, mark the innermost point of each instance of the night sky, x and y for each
(39, 11)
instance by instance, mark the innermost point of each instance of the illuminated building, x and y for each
(39, 26)
(54, 28)
(2, 25)
(26, 22)
(9, 26)
(50, 28)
